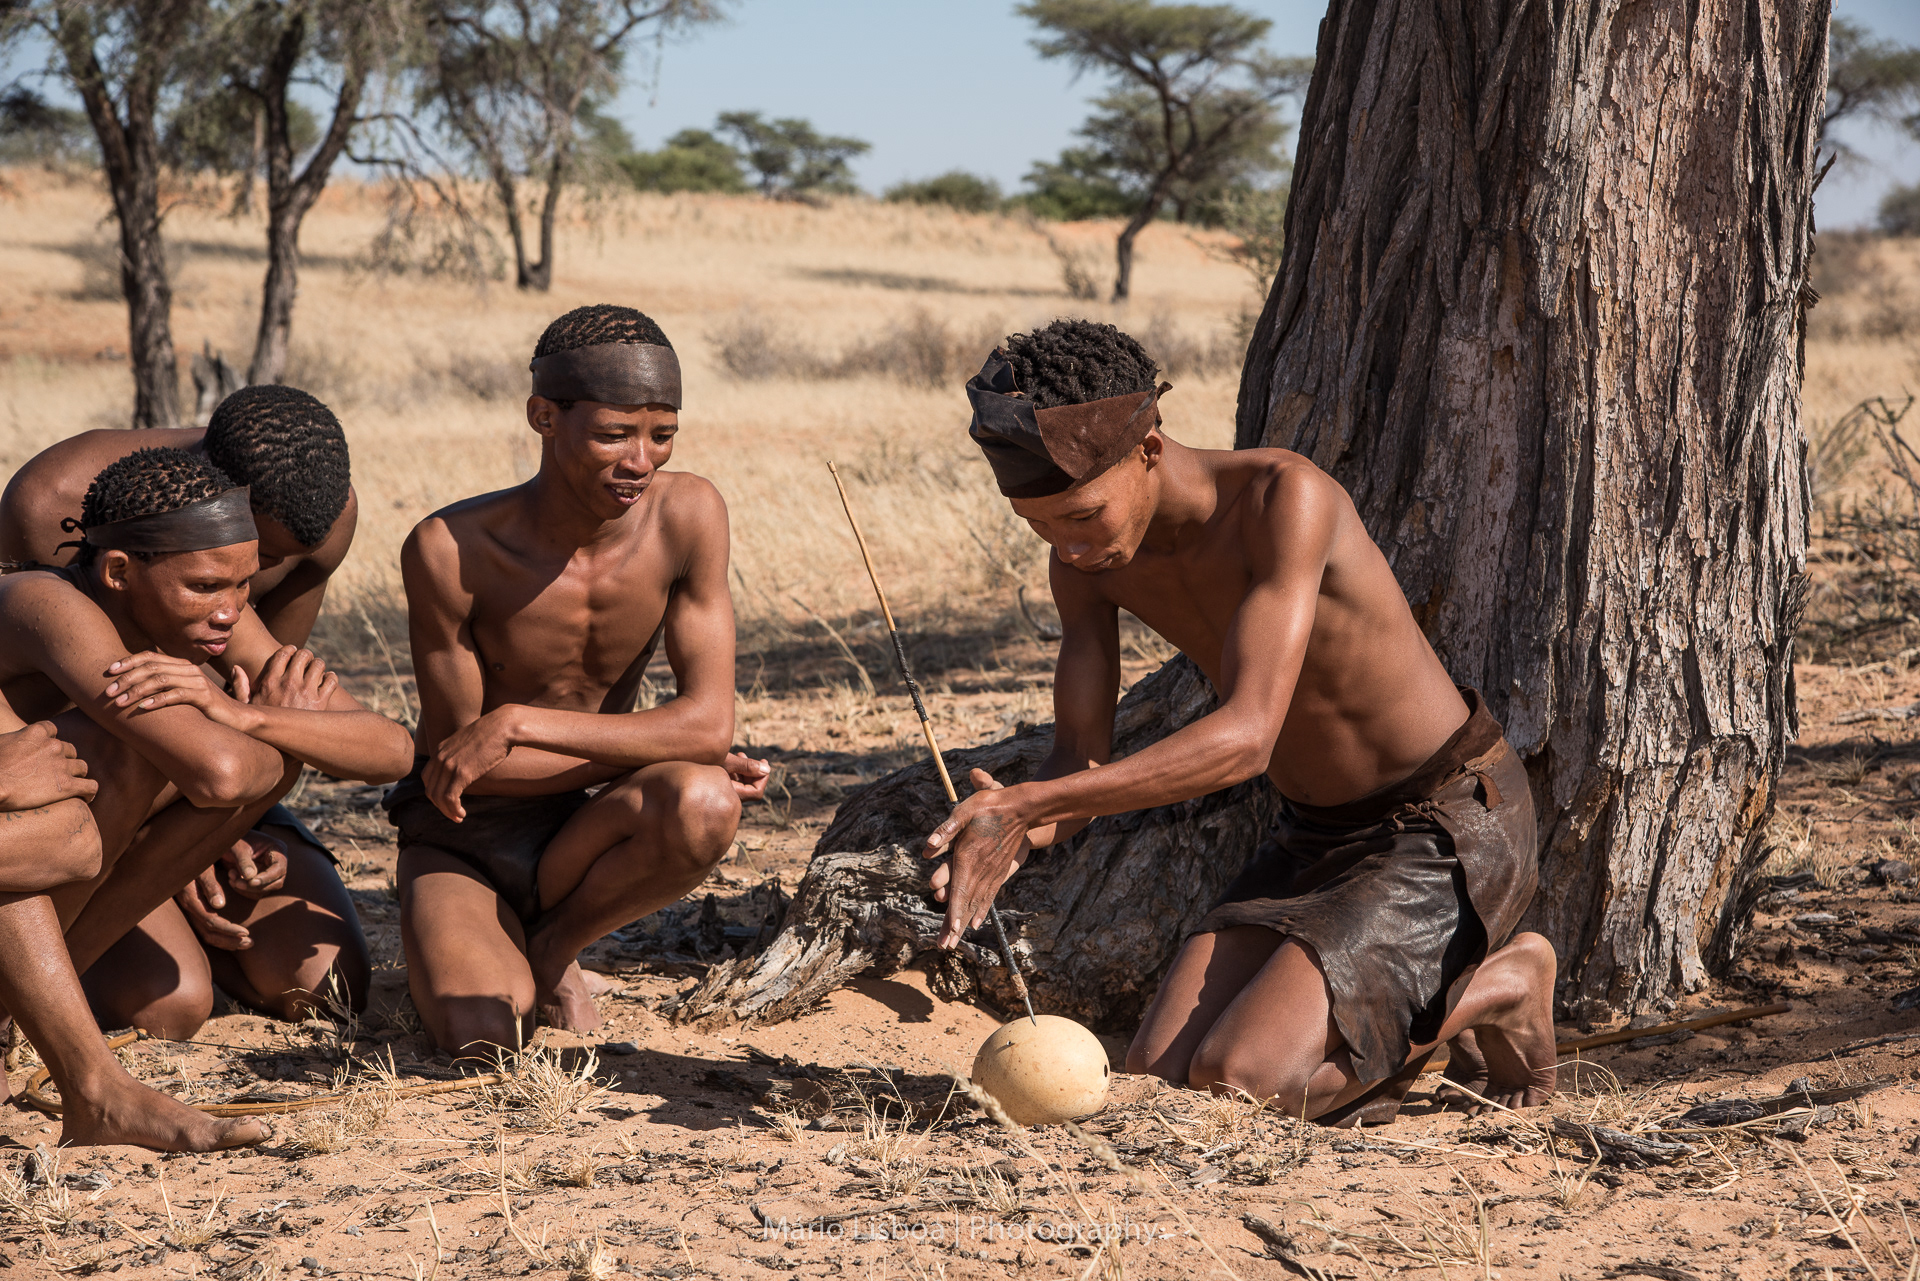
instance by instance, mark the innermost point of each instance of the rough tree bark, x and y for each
(290, 196)
(1540, 312)
(123, 107)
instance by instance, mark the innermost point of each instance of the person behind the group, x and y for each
(1374, 921)
(533, 613)
(115, 650)
(270, 919)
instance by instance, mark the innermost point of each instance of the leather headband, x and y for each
(613, 373)
(1035, 453)
(219, 521)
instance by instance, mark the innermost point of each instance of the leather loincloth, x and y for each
(1401, 892)
(502, 839)
(281, 816)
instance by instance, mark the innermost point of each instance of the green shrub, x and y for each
(692, 160)
(1900, 211)
(968, 192)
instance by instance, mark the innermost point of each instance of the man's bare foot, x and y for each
(562, 997)
(124, 1111)
(1518, 1041)
(1465, 1066)
(597, 983)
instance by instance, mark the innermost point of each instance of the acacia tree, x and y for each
(1195, 104)
(1539, 310)
(510, 80)
(268, 46)
(119, 59)
(794, 160)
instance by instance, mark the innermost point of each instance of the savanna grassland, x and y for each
(844, 332)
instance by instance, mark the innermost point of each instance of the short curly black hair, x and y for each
(289, 448)
(602, 322)
(147, 482)
(1071, 362)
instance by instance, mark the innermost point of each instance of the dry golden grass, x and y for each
(428, 375)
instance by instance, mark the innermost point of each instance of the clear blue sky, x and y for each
(955, 84)
(944, 84)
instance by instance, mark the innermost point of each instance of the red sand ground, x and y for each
(841, 1123)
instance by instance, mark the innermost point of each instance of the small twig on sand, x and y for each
(1839, 1224)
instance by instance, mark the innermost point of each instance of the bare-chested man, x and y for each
(533, 612)
(116, 650)
(270, 920)
(1375, 921)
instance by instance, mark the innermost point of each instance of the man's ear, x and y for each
(1151, 447)
(113, 570)
(542, 415)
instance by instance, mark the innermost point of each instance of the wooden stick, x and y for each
(1684, 1025)
(926, 727)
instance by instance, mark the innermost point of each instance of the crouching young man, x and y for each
(1375, 921)
(271, 918)
(533, 612)
(115, 650)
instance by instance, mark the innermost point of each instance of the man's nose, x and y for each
(229, 612)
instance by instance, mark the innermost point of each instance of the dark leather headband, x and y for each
(219, 521)
(613, 373)
(1037, 453)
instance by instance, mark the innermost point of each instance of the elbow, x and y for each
(229, 781)
(73, 855)
(395, 758)
(1249, 754)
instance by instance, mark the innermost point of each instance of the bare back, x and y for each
(51, 485)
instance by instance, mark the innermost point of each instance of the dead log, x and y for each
(1093, 922)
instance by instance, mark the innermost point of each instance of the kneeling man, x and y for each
(533, 612)
(1374, 922)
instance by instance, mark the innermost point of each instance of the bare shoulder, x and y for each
(689, 499)
(1286, 492)
(30, 599)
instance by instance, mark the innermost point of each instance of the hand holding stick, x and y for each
(926, 727)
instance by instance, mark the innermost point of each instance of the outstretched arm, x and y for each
(63, 634)
(282, 696)
(1289, 537)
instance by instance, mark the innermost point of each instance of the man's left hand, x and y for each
(750, 776)
(463, 756)
(256, 864)
(987, 840)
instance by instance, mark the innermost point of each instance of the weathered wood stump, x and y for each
(1093, 922)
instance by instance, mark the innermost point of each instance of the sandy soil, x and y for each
(834, 1144)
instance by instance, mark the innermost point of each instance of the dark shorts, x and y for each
(1401, 892)
(502, 839)
(281, 816)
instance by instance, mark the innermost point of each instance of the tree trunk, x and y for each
(129, 151)
(1539, 312)
(290, 197)
(1093, 921)
(1540, 309)
(1123, 249)
(539, 275)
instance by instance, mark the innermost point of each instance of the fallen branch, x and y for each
(1683, 1025)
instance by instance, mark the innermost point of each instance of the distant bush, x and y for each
(1081, 184)
(33, 129)
(692, 160)
(1900, 211)
(968, 192)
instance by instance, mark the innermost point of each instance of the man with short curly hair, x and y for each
(125, 653)
(1377, 919)
(546, 811)
(290, 452)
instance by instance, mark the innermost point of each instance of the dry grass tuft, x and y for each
(589, 1260)
(543, 1092)
(35, 1196)
(335, 1129)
